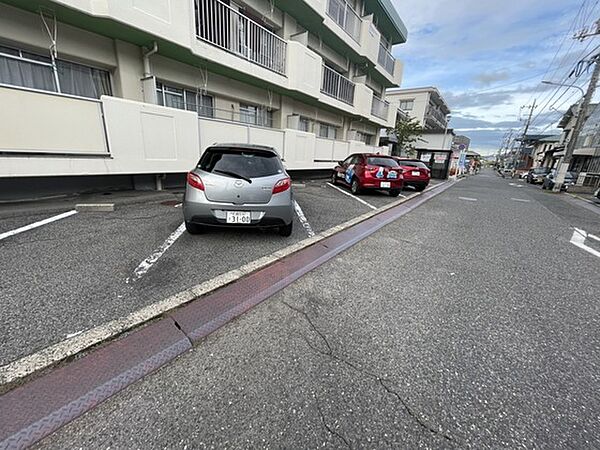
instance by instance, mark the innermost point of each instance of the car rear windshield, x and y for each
(541, 170)
(246, 163)
(417, 164)
(381, 161)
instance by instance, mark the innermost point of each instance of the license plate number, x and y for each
(416, 173)
(386, 184)
(238, 217)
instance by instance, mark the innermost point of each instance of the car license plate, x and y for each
(238, 217)
(416, 173)
(385, 184)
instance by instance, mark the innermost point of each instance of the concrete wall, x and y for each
(34, 122)
(435, 142)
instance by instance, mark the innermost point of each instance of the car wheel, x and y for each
(544, 186)
(334, 178)
(355, 187)
(194, 228)
(286, 230)
(394, 192)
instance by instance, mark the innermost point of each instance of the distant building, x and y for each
(429, 107)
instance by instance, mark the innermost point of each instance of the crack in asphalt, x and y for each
(331, 430)
(381, 381)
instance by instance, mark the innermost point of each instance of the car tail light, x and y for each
(195, 181)
(282, 185)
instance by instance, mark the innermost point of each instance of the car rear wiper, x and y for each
(234, 175)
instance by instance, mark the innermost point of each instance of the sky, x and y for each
(488, 58)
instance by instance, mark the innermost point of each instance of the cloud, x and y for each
(487, 78)
(488, 60)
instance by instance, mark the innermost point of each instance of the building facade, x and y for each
(429, 108)
(132, 87)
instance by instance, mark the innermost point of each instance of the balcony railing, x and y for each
(385, 59)
(343, 14)
(337, 86)
(437, 116)
(226, 28)
(380, 108)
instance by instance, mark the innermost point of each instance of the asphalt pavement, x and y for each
(76, 273)
(471, 322)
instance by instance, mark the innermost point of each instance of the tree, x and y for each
(408, 130)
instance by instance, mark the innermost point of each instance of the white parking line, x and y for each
(578, 240)
(37, 224)
(403, 196)
(303, 219)
(353, 196)
(147, 264)
(178, 205)
(520, 200)
(468, 199)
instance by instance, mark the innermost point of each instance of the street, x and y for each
(470, 322)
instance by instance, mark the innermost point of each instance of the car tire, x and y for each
(334, 178)
(395, 192)
(286, 230)
(355, 187)
(194, 228)
(544, 186)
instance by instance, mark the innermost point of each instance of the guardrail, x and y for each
(343, 14)
(380, 108)
(337, 86)
(224, 27)
(386, 59)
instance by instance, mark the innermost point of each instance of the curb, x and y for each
(12, 373)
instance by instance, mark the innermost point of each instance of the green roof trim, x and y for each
(394, 17)
(388, 20)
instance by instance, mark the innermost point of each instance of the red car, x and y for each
(415, 172)
(363, 171)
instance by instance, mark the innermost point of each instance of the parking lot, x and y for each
(80, 270)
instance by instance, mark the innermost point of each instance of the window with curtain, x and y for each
(327, 131)
(304, 124)
(187, 99)
(256, 115)
(26, 69)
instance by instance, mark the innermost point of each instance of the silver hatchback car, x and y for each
(238, 185)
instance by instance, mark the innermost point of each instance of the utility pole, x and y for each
(581, 113)
(527, 124)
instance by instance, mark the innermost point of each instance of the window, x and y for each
(247, 162)
(256, 115)
(364, 137)
(382, 161)
(304, 124)
(407, 105)
(174, 97)
(327, 131)
(25, 69)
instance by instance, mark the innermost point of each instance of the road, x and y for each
(473, 322)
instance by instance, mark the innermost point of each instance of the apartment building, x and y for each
(139, 88)
(431, 110)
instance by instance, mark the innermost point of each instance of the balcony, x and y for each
(343, 14)
(380, 108)
(222, 26)
(385, 59)
(336, 85)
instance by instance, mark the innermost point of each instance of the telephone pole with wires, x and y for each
(581, 110)
(525, 130)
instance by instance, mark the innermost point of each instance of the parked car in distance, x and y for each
(238, 185)
(525, 175)
(570, 180)
(415, 172)
(537, 175)
(363, 171)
